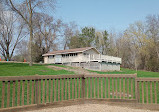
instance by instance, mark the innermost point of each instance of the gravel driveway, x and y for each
(91, 108)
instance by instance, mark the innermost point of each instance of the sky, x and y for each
(105, 14)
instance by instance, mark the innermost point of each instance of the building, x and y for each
(89, 58)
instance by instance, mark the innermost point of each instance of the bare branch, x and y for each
(13, 7)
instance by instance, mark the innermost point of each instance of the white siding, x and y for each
(110, 66)
(58, 59)
(51, 59)
(46, 59)
(76, 58)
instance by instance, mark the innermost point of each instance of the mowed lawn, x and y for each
(23, 69)
(140, 73)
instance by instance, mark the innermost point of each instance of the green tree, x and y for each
(83, 39)
(87, 36)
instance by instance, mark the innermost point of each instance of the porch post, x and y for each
(83, 87)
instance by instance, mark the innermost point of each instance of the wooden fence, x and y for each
(30, 90)
(148, 90)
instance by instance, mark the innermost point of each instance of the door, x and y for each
(58, 59)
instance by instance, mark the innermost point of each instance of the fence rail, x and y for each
(148, 90)
(27, 90)
(110, 86)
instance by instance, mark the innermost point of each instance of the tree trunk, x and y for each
(157, 52)
(30, 45)
(7, 56)
(135, 64)
(31, 38)
(31, 33)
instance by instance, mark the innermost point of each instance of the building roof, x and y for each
(77, 50)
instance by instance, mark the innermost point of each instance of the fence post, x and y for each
(83, 87)
(36, 92)
(136, 89)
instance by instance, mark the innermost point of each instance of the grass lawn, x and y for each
(63, 66)
(23, 69)
(139, 74)
(20, 69)
(130, 71)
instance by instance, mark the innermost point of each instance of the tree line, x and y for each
(27, 32)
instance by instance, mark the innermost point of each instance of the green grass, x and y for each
(130, 71)
(140, 73)
(22, 69)
(64, 66)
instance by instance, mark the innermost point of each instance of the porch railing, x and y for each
(28, 90)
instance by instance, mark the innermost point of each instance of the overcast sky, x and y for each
(105, 14)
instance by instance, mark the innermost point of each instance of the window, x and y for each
(75, 54)
(85, 54)
(67, 55)
(51, 56)
(63, 55)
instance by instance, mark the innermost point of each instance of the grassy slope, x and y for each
(62, 66)
(139, 74)
(21, 69)
(129, 71)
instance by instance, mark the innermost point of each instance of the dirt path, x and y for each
(77, 70)
(92, 108)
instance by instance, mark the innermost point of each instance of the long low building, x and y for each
(88, 58)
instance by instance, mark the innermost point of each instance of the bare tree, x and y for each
(101, 42)
(21, 51)
(123, 46)
(70, 30)
(47, 31)
(153, 30)
(10, 33)
(136, 48)
(26, 9)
